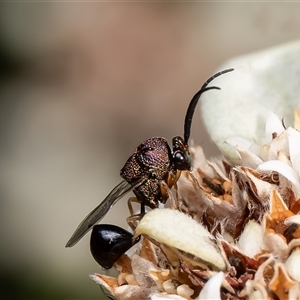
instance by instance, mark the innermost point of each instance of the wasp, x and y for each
(152, 162)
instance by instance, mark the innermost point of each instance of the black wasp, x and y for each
(151, 163)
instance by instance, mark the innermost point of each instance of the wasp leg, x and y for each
(178, 199)
(173, 178)
(165, 187)
(129, 204)
(134, 218)
(166, 192)
(133, 221)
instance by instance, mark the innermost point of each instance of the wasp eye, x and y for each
(179, 158)
(182, 160)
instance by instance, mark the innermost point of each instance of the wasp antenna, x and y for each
(194, 101)
(215, 76)
(191, 109)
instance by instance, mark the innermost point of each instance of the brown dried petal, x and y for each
(281, 282)
(160, 276)
(108, 282)
(140, 269)
(132, 292)
(123, 264)
(276, 202)
(184, 291)
(169, 287)
(148, 251)
(297, 119)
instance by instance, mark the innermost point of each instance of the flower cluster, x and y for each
(232, 232)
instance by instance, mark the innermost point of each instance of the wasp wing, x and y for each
(102, 209)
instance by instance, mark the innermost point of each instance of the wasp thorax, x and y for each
(151, 157)
(151, 160)
(154, 153)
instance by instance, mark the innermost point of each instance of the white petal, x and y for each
(257, 295)
(184, 291)
(292, 219)
(238, 141)
(294, 142)
(175, 229)
(283, 169)
(292, 264)
(169, 287)
(275, 244)
(280, 144)
(273, 125)
(267, 153)
(248, 158)
(211, 289)
(250, 240)
(165, 297)
(200, 161)
(294, 292)
(218, 169)
(266, 78)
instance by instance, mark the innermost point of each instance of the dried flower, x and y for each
(233, 229)
(233, 232)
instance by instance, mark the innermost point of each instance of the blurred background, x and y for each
(81, 85)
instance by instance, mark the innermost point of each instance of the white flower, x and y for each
(261, 82)
(233, 230)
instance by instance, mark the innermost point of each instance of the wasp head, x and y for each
(181, 155)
